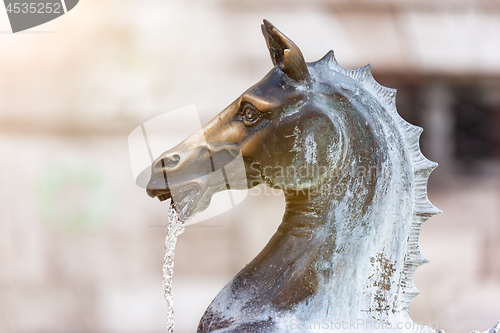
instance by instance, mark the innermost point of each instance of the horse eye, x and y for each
(250, 115)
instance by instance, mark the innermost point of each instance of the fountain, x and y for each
(355, 184)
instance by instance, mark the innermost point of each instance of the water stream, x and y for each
(175, 227)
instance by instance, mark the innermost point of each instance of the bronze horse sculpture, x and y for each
(354, 182)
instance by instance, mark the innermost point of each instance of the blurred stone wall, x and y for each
(81, 245)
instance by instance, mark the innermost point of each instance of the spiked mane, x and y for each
(423, 209)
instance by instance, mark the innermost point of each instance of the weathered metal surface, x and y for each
(355, 183)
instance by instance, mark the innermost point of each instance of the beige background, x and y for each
(73, 89)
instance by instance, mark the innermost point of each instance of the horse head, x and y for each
(354, 182)
(276, 126)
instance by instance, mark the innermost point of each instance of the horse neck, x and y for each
(284, 273)
(306, 213)
(336, 250)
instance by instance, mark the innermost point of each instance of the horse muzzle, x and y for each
(184, 174)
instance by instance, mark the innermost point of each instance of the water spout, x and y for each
(174, 228)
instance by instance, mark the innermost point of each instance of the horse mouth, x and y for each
(184, 196)
(158, 189)
(163, 197)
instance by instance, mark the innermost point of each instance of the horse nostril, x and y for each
(170, 161)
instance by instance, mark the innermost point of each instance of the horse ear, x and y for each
(285, 54)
